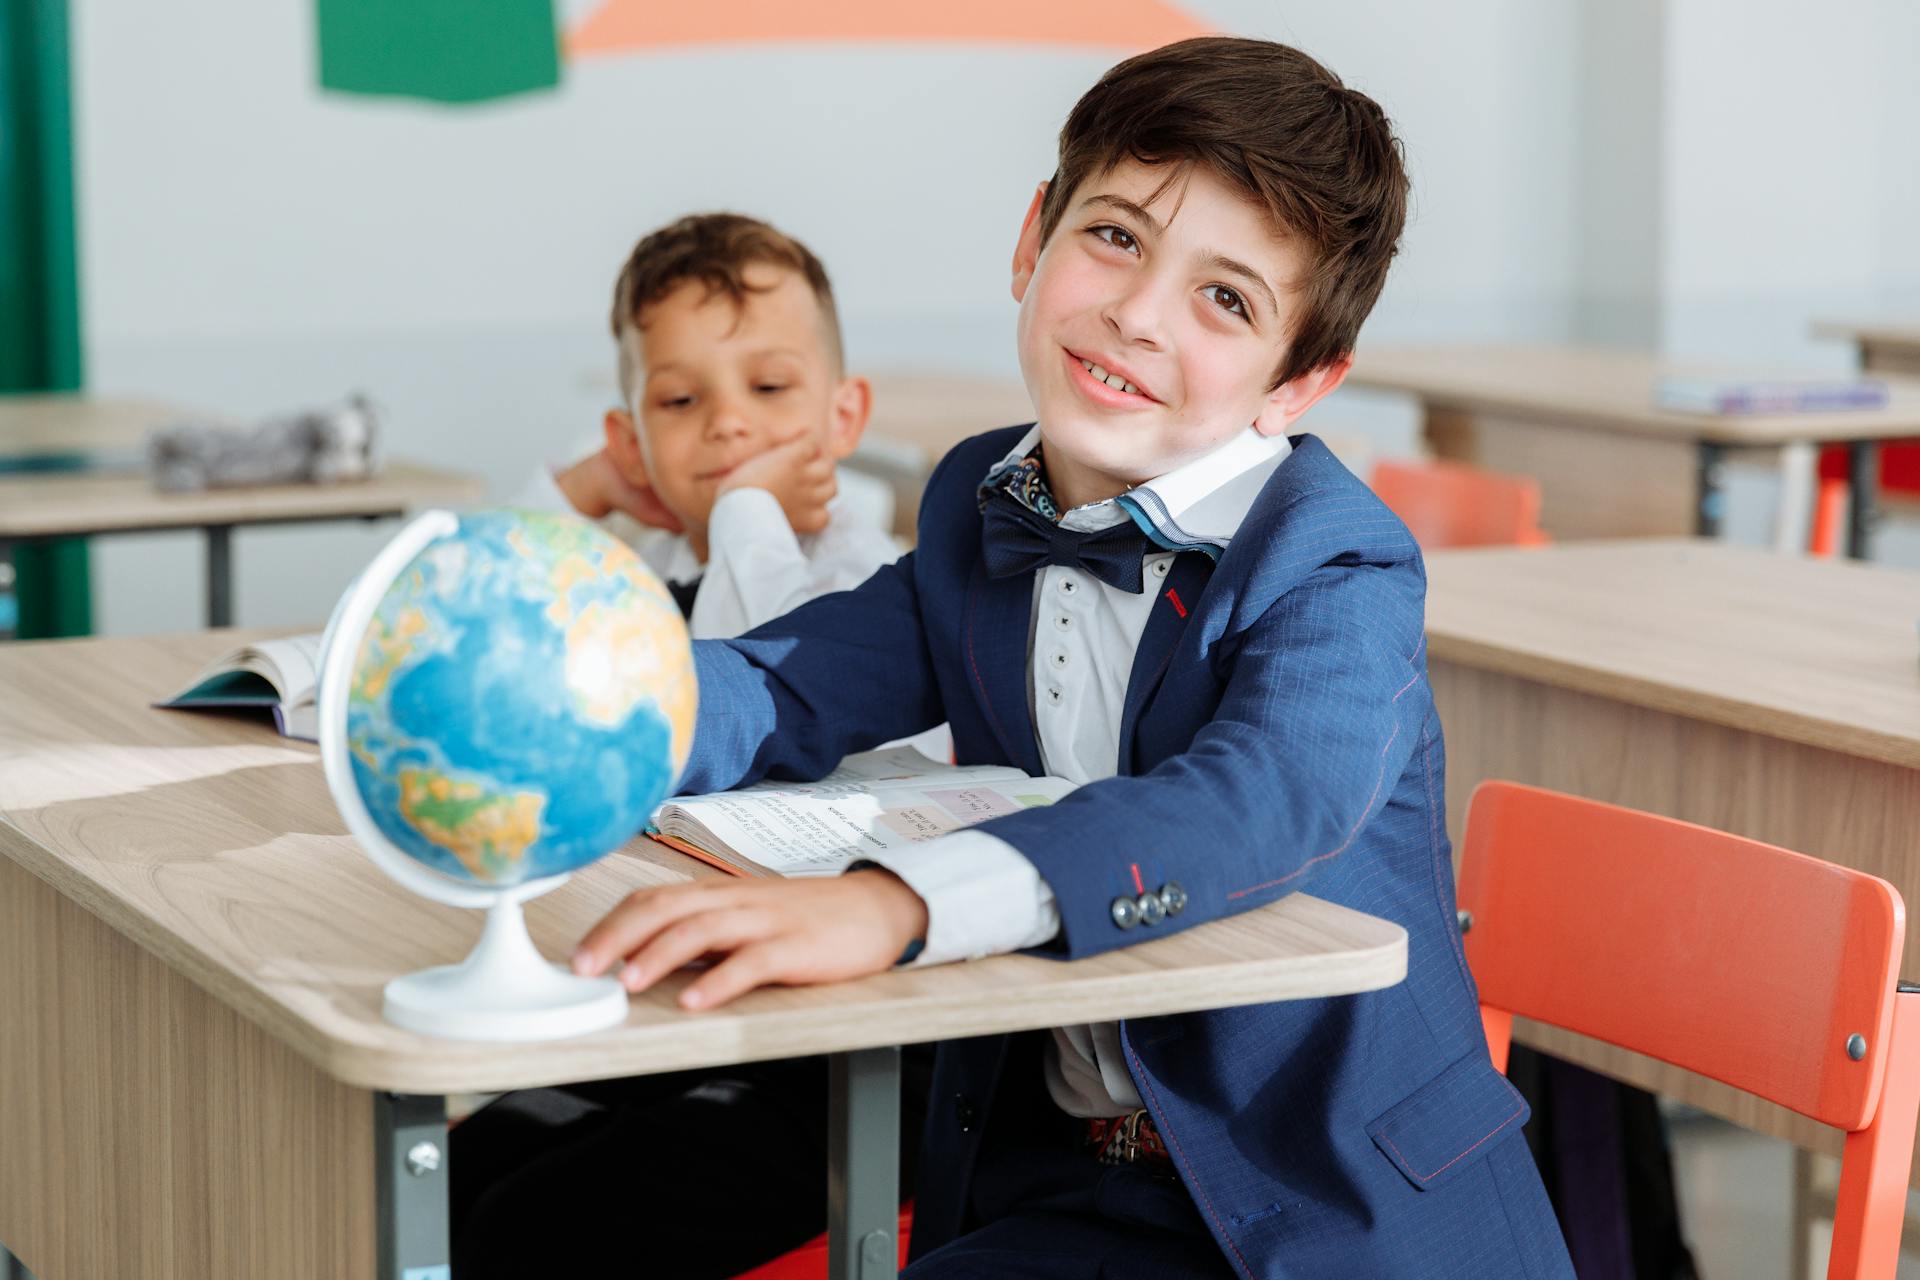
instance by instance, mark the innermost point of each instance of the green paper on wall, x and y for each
(441, 50)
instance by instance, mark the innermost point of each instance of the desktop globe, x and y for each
(504, 697)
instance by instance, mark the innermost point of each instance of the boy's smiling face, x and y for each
(1183, 300)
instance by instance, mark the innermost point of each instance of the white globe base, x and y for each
(504, 990)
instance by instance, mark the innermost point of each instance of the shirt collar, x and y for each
(1197, 506)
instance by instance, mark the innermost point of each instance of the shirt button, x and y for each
(1160, 568)
(1063, 623)
(1068, 586)
(1054, 695)
(1059, 658)
(1151, 909)
(1173, 898)
(1126, 912)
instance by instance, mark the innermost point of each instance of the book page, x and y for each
(295, 663)
(887, 767)
(817, 832)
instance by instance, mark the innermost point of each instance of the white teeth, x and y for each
(1113, 380)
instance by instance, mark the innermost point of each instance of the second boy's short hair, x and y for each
(1319, 157)
(714, 249)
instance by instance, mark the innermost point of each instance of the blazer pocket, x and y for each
(1437, 1130)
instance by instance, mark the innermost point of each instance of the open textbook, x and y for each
(275, 676)
(873, 802)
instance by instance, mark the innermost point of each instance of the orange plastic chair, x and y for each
(809, 1261)
(1768, 970)
(1451, 504)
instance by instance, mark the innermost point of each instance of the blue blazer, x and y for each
(1278, 734)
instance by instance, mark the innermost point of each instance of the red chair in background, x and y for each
(1451, 504)
(1767, 970)
(809, 1261)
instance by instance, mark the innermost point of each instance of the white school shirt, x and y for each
(757, 568)
(983, 897)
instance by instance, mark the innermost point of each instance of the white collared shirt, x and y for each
(983, 897)
(757, 568)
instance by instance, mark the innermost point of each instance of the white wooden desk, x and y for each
(196, 1079)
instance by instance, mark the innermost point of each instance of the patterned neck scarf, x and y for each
(1025, 481)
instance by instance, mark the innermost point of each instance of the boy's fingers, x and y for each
(639, 916)
(751, 966)
(685, 941)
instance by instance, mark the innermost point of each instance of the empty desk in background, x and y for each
(42, 505)
(196, 1079)
(1611, 464)
(1772, 696)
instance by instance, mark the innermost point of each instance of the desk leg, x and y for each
(410, 1187)
(219, 575)
(1863, 485)
(1711, 504)
(863, 1164)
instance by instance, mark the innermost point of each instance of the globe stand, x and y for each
(504, 989)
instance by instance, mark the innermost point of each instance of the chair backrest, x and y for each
(1451, 504)
(1774, 972)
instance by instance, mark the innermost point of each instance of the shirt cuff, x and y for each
(983, 897)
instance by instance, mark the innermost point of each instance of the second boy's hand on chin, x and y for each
(798, 473)
(765, 932)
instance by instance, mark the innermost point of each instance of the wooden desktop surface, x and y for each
(1771, 696)
(1819, 652)
(1611, 390)
(60, 503)
(213, 845)
(35, 425)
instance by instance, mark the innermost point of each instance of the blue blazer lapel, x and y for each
(1179, 595)
(998, 615)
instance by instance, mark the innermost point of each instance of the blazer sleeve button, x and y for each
(1173, 898)
(1126, 912)
(1151, 910)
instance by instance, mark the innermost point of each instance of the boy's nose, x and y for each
(727, 420)
(1136, 316)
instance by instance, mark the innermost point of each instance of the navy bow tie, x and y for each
(1015, 540)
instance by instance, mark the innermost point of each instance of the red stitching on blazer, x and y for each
(1181, 1156)
(1423, 1177)
(1139, 885)
(1357, 822)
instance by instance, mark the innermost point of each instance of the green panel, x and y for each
(39, 287)
(442, 50)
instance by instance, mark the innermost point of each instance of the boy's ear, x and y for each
(1286, 402)
(1026, 251)
(852, 406)
(623, 446)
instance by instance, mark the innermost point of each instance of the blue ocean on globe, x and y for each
(521, 701)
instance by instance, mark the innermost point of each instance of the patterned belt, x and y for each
(1128, 1139)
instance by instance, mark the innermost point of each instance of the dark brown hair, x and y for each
(1319, 157)
(715, 249)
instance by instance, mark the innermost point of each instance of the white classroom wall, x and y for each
(251, 245)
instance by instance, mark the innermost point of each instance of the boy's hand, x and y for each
(767, 933)
(594, 487)
(798, 473)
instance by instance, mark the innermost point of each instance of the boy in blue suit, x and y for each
(1157, 592)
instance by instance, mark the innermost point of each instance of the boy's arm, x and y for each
(839, 674)
(757, 570)
(1315, 726)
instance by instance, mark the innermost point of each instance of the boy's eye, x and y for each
(676, 402)
(771, 388)
(1119, 237)
(1227, 299)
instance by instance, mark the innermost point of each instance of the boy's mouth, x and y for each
(1104, 384)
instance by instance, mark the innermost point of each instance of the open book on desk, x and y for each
(272, 676)
(875, 801)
